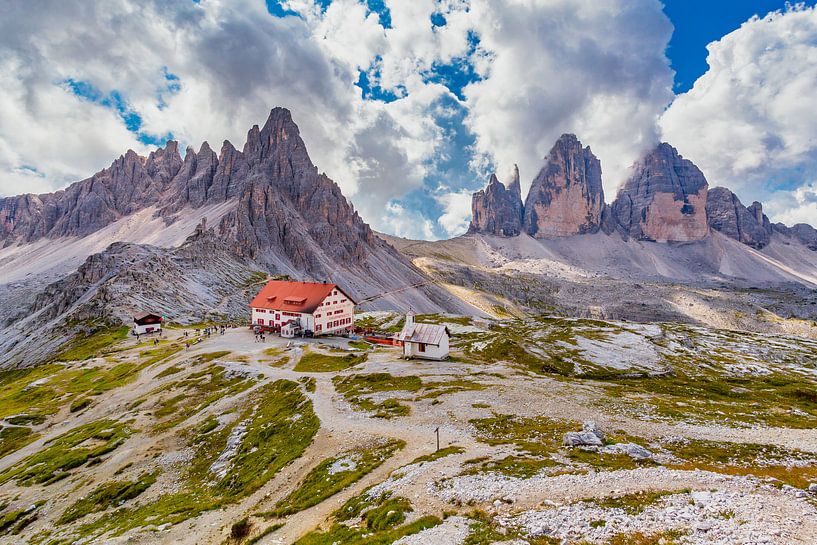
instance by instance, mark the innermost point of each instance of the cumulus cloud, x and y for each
(456, 211)
(750, 122)
(593, 68)
(392, 104)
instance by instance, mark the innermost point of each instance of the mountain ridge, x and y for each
(666, 199)
(271, 213)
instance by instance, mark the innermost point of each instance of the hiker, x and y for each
(187, 345)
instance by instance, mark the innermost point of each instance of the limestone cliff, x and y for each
(566, 197)
(664, 199)
(497, 210)
(725, 213)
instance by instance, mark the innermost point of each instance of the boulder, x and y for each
(634, 451)
(590, 436)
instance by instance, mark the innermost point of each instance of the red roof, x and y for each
(294, 296)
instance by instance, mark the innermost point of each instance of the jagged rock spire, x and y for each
(497, 210)
(664, 199)
(566, 197)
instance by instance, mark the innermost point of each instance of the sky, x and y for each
(409, 105)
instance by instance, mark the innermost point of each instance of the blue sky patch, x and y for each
(437, 19)
(383, 13)
(276, 8)
(699, 22)
(458, 73)
(368, 81)
(115, 101)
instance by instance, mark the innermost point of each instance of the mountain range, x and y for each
(194, 236)
(189, 237)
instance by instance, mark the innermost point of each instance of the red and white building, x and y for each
(324, 309)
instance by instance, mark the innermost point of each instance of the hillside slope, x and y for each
(265, 210)
(715, 281)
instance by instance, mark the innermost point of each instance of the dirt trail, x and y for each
(343, 427)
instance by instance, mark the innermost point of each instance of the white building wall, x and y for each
(432, 352)
(142, 329)
(335, 314)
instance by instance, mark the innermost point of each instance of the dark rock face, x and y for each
(497, 210)
(664, 199)
(802, 232)
(287, 214)
(566, 197)
(726, 214)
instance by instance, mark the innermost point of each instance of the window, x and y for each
(260, 310)
(260, 321)
(421, 347)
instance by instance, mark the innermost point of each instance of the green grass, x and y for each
(84, 347)
(41, 391)
(106, 496)
(634, 503)
(264, 533)
(342, 535)
(513, 466)
(281, 425)
(436, 455)
(79, 404)
(746, 459)
(160, 353)
(179, 400)
(13, 438)
(208, 425)
(706, 396)
(310, 384)
(81, 445)
(320, 483)
(382, 518)
(172, 370)
(313, 362)
(542, 437)
(13, 522)
(355, 387)
(360, 345)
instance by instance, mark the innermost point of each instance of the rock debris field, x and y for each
(552, 431)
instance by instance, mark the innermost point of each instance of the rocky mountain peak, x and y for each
(726, 214)
(566, 197)
(497, 210)
(664, 199)
(514, 186)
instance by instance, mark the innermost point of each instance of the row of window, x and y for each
(336, 323)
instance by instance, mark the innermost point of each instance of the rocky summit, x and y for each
(497, 210)
(726, 214)
(270, 211)
(664, 199)
(566, 197)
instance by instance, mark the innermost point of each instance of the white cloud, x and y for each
(456, 211)
(408, 223)
(594, 68)
(750, 122)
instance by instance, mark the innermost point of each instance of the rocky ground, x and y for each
(551, 431)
